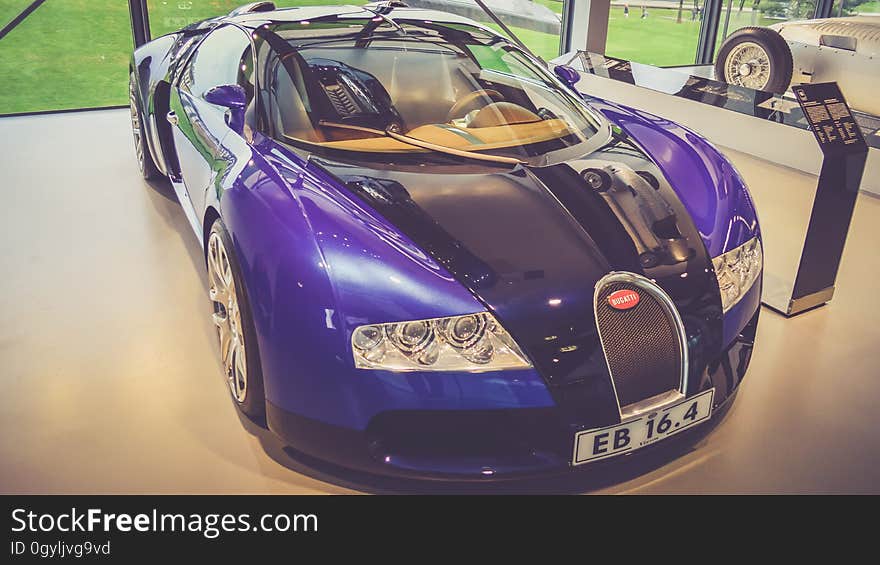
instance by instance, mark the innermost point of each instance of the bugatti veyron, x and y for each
(428, 254)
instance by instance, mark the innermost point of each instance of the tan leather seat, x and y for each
(294, 121)
(502, 113)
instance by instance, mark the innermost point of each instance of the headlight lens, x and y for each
(473, 342)
(737, 271)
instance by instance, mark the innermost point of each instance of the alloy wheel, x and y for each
(136, 125)
(227, 317)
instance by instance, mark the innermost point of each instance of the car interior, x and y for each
(342, 96)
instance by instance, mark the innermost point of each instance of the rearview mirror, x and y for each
(568, 75)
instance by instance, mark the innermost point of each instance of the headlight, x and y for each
(737, 271)
(474, 342)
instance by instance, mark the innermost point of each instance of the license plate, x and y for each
(651, 427)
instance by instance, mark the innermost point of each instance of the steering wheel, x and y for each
(457, 109)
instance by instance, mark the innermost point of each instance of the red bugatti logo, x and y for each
(623, 299)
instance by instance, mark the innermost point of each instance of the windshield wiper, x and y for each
(425, 144)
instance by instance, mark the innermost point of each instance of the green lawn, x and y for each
(11, 8)
(67, 54)
(170, 15)
(544, 45)
(658, 39)
(555, 5)
(74, 53)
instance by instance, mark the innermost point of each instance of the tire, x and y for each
(251, 400)
(750, 49)
(145, 161)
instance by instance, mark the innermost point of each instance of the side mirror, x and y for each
(568, 75)
(230, 96)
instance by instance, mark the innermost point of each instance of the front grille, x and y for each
(641, 344)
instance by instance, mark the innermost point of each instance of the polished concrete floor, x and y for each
(110, 379)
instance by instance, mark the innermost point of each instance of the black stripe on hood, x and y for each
(532, 242)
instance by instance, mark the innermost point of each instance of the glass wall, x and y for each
(738, 14)
(536, 22)
(167, 16)
(656, 32)
(842, 8)
(65, 54)
(9, 9)
(541, 33)
(74, 53)
(666, 32)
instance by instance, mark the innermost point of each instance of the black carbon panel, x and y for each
(641, 345)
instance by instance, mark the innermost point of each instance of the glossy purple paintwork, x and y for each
(317, 265)
(709, 186)
(317, 262)
(706, 182)
(567, 74)
(149, 67)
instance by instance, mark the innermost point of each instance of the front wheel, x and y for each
(235, 328)
(757, 58)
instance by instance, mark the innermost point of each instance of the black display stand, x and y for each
(844, 155)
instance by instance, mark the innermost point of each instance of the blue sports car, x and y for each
(430, 255)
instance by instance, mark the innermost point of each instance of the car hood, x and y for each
(532, 242)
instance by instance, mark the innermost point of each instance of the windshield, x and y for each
(452, 85)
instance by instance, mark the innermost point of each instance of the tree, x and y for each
(805, 9)
(847, 7)
(789, 9)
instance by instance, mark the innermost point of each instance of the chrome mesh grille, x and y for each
(641, 345)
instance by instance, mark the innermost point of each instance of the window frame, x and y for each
(191, 57)
(274, 59)
(180, 70)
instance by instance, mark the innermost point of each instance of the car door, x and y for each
(199, 127)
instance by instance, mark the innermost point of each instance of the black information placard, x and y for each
(829, 117)
(844, 155)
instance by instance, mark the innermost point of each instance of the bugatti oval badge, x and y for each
(623, 299)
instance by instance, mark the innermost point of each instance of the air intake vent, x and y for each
(642, 336)
(341, 100)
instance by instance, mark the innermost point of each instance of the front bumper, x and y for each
(485, 444)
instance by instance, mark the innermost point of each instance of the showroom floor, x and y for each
(112, 383)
